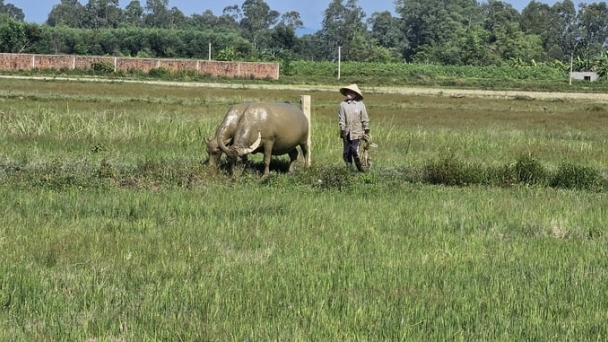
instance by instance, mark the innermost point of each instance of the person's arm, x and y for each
(342, 121)
(364, 118)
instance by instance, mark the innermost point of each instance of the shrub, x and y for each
(161, 73)
(452, 172)
(570, 176)
(102, 67)
(334, 177)
(502, 176)
(530, 171)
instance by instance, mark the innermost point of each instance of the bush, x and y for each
(452, 172)
(161, 73)
(530, 171)
(570, 176)
(334, 177)
(102, 67)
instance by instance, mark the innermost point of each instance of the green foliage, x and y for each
(337, 177)
(112, 229)
(452, 172)
(460, 32)
(578, 177)
(227, 54)
(102, 67)
(545, 76)
(13, 38)
(286, 60)
(530, 171)
(160, 73)
(133, 41)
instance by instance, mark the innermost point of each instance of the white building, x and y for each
(584, 76)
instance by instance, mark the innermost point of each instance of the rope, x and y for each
(366, 159)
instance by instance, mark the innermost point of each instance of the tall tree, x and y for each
(506, 37)
(593, 25)
(177, 19)
(283, 36)
(233, 12)
(103, 14)
(12, 36)
(257, 21)
(69, 13)
(566, 28)
(12, 11)
(292, 19)
(386, 29)
(512, 45)
(498, 14)
(341, 24)
(474, 47)
(204, 21)
(540, 19)
(431, 24)
(157, 14)
(229, 20)
(134, 14)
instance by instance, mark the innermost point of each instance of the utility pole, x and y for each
(571, 58)
(339, 60)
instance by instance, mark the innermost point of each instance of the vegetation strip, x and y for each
(483, 219)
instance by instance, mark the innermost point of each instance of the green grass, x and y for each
(549, 77)
(112, 228)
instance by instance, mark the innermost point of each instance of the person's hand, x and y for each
(366, 136)
(343, 134)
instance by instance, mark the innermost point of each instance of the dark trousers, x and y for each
(351, 150)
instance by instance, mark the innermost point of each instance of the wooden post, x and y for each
(306, 108)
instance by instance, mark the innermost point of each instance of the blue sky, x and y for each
(311, 11)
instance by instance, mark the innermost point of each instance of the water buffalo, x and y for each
(226, 129)
(270, 128)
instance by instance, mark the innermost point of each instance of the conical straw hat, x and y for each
(352, 87)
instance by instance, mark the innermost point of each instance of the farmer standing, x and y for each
(354, 124)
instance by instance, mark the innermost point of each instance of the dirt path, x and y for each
(603, 98)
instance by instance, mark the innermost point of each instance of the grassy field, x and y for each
(113, 229)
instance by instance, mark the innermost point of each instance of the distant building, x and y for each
(589, 76)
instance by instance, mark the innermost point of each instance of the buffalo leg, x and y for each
(267, 156)
(306, 153)
(231, 161)
(293, 157)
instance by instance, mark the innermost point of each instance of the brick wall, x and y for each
(15, 62)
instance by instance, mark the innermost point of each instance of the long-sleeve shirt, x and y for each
(352, 118)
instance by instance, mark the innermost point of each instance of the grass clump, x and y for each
(102, 67)
(189, 174)
(453, 172)
(530, 171)
(160, 73)
(527, 170)
(578, 177)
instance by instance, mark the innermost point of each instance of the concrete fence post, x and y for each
(305, 105)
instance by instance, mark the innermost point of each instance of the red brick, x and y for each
(15, 62)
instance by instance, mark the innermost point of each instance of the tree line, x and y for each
(442, 32)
